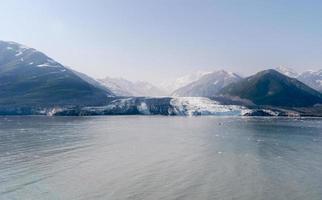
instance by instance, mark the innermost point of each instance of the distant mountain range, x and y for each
(123, 87)
(29, 77)
(207, 85)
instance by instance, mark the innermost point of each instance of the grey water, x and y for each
(155, 157)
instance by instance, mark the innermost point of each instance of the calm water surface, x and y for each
(141, 157)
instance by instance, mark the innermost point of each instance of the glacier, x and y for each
(190, 106)
(177, 106)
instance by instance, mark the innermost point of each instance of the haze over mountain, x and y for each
(207, 85)
(287, 71)
(309, 77)
(270, 87)
(312, 78)
(171, 86)
(123, 87)
(29, 77)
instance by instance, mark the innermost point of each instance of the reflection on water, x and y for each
(141, 157)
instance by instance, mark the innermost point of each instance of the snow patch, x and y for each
(18, 45)
(43, 65)
(48, 65)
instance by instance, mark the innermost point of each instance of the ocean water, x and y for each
(157, 157)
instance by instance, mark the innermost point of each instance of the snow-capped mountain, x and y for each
(123, 87)
(182, 81)
(310, 77)
(29, 77)
(287, 72)
(207, 85)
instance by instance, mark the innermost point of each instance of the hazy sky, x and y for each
(157, 40)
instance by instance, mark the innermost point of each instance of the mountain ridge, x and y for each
(208, 85)
(30, 77)
(123, 87)
(270, 87)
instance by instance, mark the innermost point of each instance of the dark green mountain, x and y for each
(30, 78)
(270, 87)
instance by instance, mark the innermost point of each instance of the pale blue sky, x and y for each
(157, 40)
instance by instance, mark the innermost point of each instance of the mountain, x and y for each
(270, 87)
(312, 79)
(123, 87)
(207, 85)
(309, 77)
(30, 78)
(180, 82)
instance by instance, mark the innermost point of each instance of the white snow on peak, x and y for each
(288, 72)
(312, 78)
(207, 85)
(232, 74)
(18, 49)
(20, 46)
